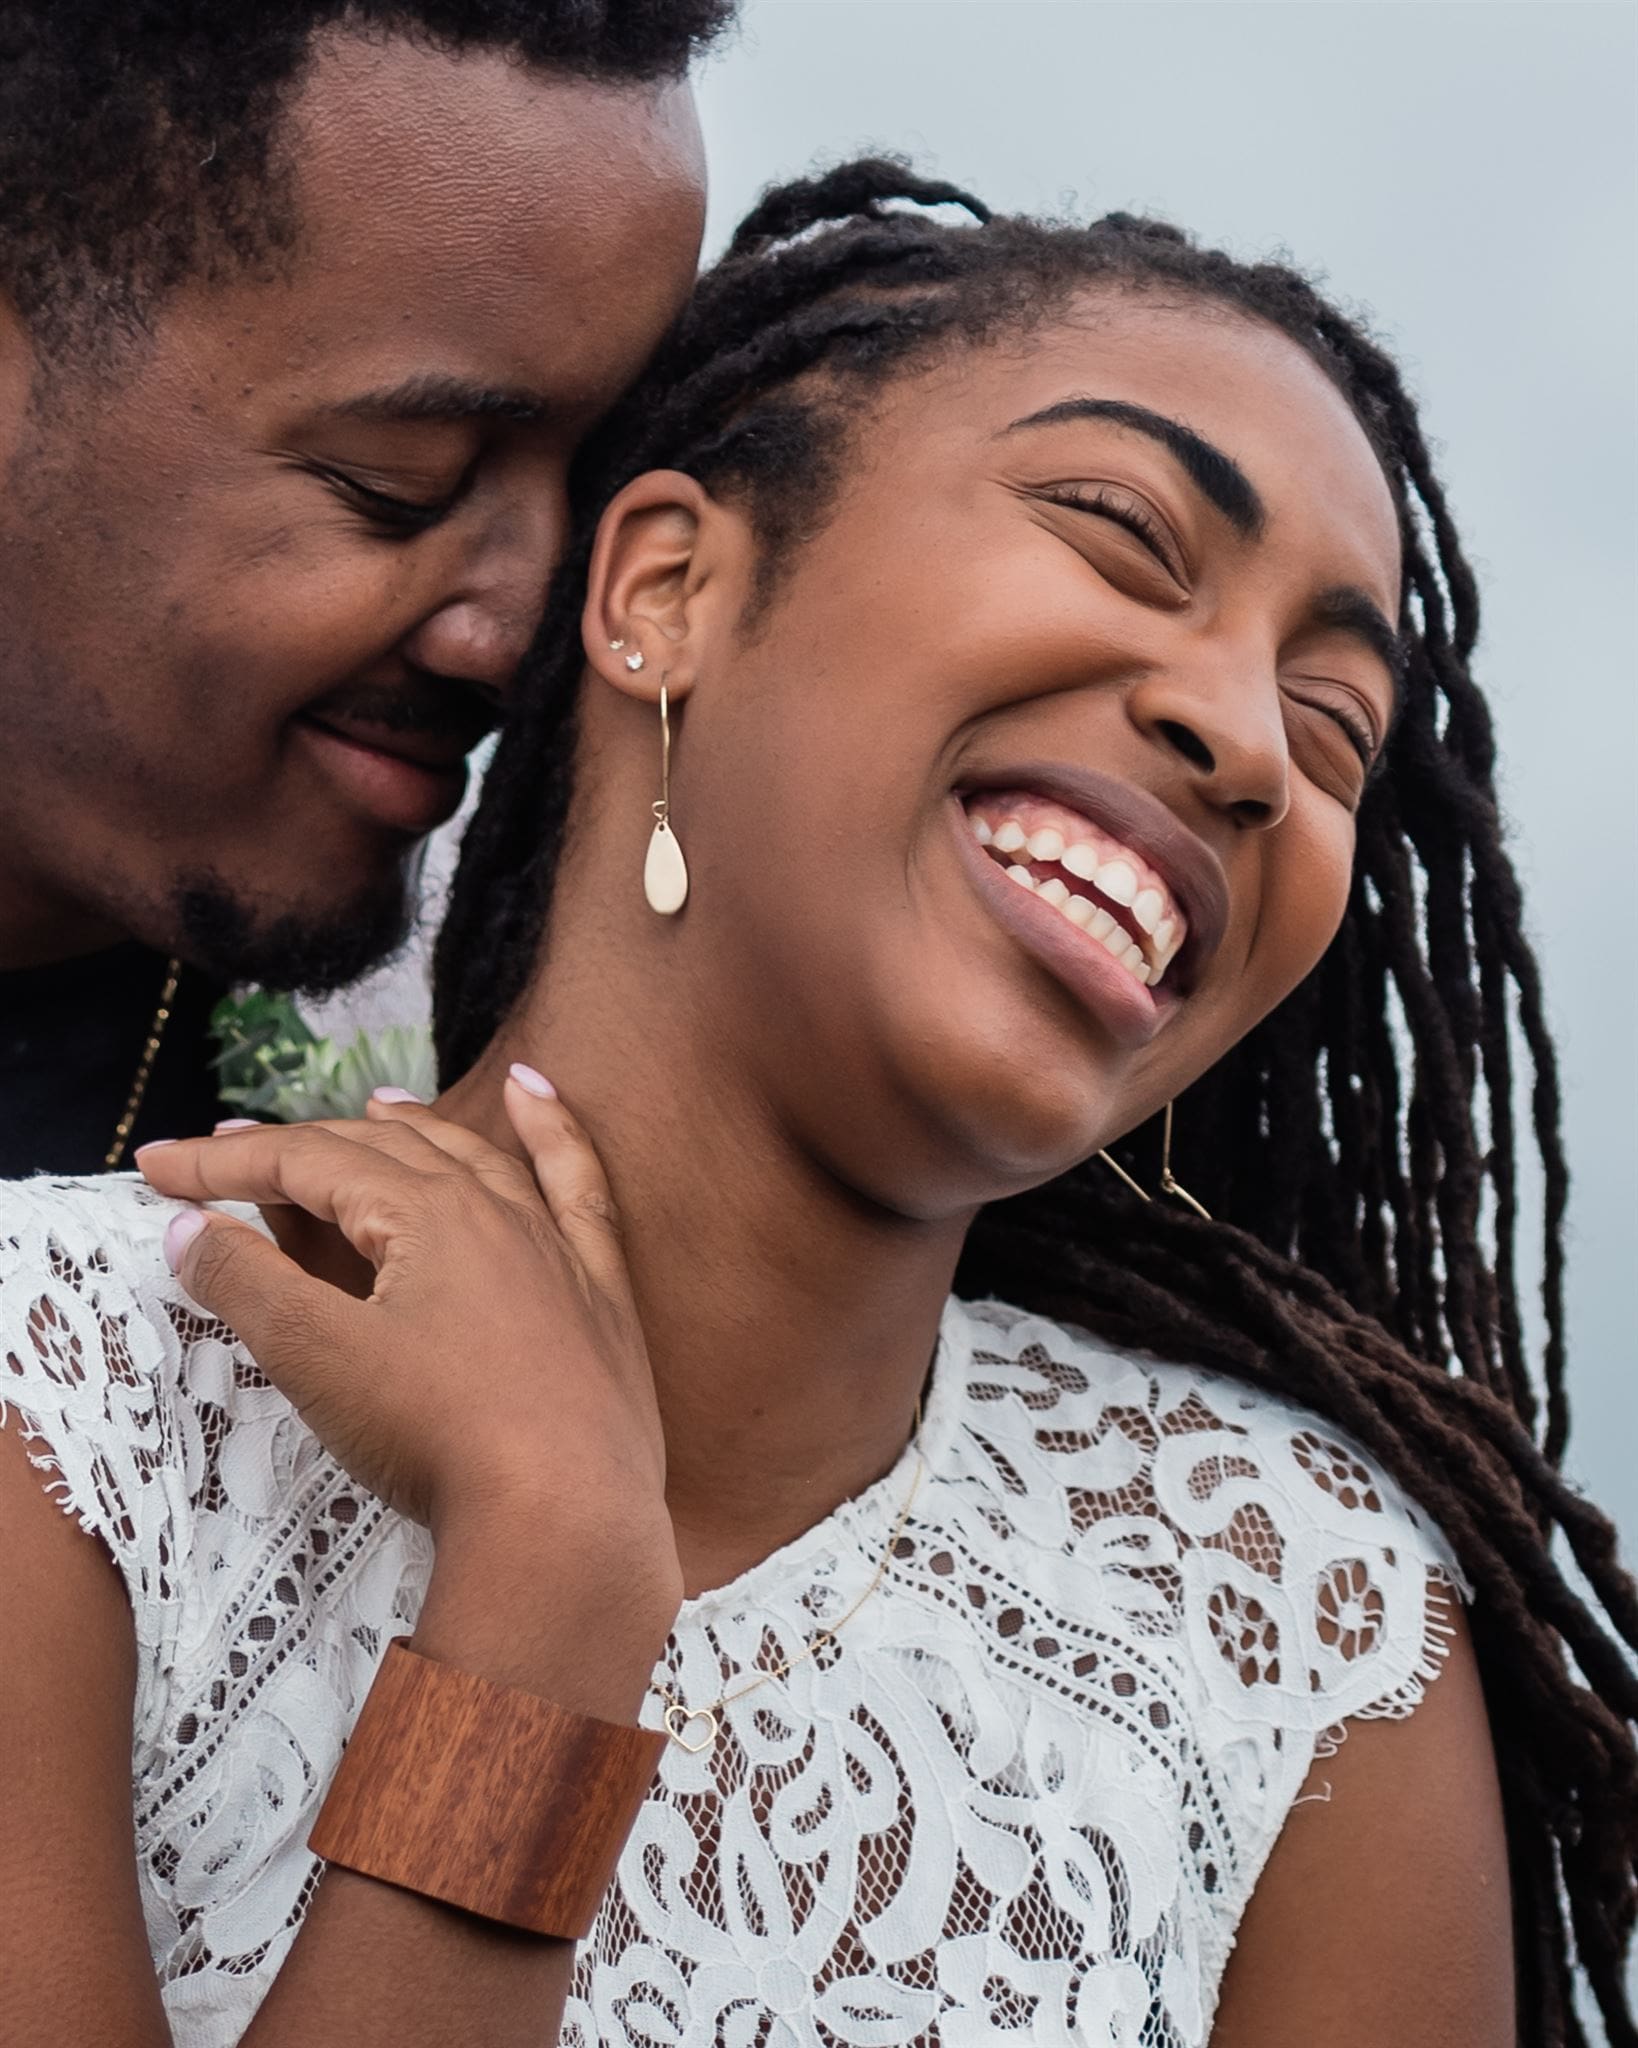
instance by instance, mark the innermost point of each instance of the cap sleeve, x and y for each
(92, 1348)
(1315, 1590)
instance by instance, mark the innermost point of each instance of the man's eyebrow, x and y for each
(1217, 475)
(440, 397)
(1347, 609)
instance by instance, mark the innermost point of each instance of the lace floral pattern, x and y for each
(1026, 1794)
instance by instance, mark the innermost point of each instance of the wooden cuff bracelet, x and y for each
(484, 1796)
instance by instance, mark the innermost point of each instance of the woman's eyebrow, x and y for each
(1221, 479)
(1217, 475)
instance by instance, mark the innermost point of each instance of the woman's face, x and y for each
(1034, 788)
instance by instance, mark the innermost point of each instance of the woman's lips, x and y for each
(1127, 819)
(381, 781)
(1102, 885)
(1131, 1013)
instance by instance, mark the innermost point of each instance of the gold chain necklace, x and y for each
(145, 1066)
(679, 1718)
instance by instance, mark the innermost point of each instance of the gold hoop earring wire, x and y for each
(665, 872)
(1169, 1182)
(1117, 1169)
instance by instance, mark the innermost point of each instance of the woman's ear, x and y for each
(646, 592)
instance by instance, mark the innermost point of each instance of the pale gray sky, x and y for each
(1466, 171)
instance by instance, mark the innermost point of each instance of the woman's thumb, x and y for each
(283, 1316)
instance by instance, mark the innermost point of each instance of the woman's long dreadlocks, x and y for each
(1363, 1137)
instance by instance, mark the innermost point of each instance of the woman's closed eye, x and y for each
(1333, 737)
(1125, 509)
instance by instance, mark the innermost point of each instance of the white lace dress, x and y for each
(1026, 1794)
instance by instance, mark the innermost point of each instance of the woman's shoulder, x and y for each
(1301, 1582)
(89, 1309)
(1053, 1380)
(85, 1292)
(107, 1370)
(46, 1209)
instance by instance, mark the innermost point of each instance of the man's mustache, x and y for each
(446, 709)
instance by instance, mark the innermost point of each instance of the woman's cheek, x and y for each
(1315, 875)
(1307, 873)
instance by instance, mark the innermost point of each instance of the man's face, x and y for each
(263, 587)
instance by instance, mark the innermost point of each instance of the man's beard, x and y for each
(306, 955)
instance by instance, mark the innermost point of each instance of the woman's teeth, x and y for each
(1102, 868)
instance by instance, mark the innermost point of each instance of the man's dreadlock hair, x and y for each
(1362, 1138)
(139, 145)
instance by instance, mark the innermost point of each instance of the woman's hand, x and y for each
(496, 1371)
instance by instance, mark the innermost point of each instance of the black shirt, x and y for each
(71, 1039)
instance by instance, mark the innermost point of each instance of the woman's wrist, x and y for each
(575, 1611)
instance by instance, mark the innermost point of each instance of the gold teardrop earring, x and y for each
(1169, 1182)
(665, 872)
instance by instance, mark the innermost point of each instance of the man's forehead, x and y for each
(458, 150)
(470, 217)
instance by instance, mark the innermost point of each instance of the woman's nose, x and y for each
(1229, 729)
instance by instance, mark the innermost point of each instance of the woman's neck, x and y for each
(790, 1324)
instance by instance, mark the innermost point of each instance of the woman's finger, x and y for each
(366, 1191)
(570, 1176)
(499, 1171)
(296, 1327)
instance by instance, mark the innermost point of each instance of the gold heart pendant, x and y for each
(678, 1721)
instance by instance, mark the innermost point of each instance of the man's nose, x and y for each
(481, 630)
(477, 640)
(1225, 722)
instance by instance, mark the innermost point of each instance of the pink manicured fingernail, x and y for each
(152, 1145)
(535, 1083)
(180, 1232)
(237, 1123)
(394, 1095)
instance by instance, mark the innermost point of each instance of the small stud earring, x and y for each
(665, 872)
(615, 646)
(635, 661)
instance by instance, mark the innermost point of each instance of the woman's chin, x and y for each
(1006, 1140)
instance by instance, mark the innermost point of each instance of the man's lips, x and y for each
(441, 747)
(401, 781)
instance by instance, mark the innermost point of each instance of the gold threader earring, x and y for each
(1169, 1182)
(665, 872)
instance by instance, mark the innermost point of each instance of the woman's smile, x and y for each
(1103, 985)
(1114, 862)
(1116, 923)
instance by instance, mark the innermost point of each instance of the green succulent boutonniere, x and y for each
(274, 1065)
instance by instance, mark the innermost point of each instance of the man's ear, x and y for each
(647, 591)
